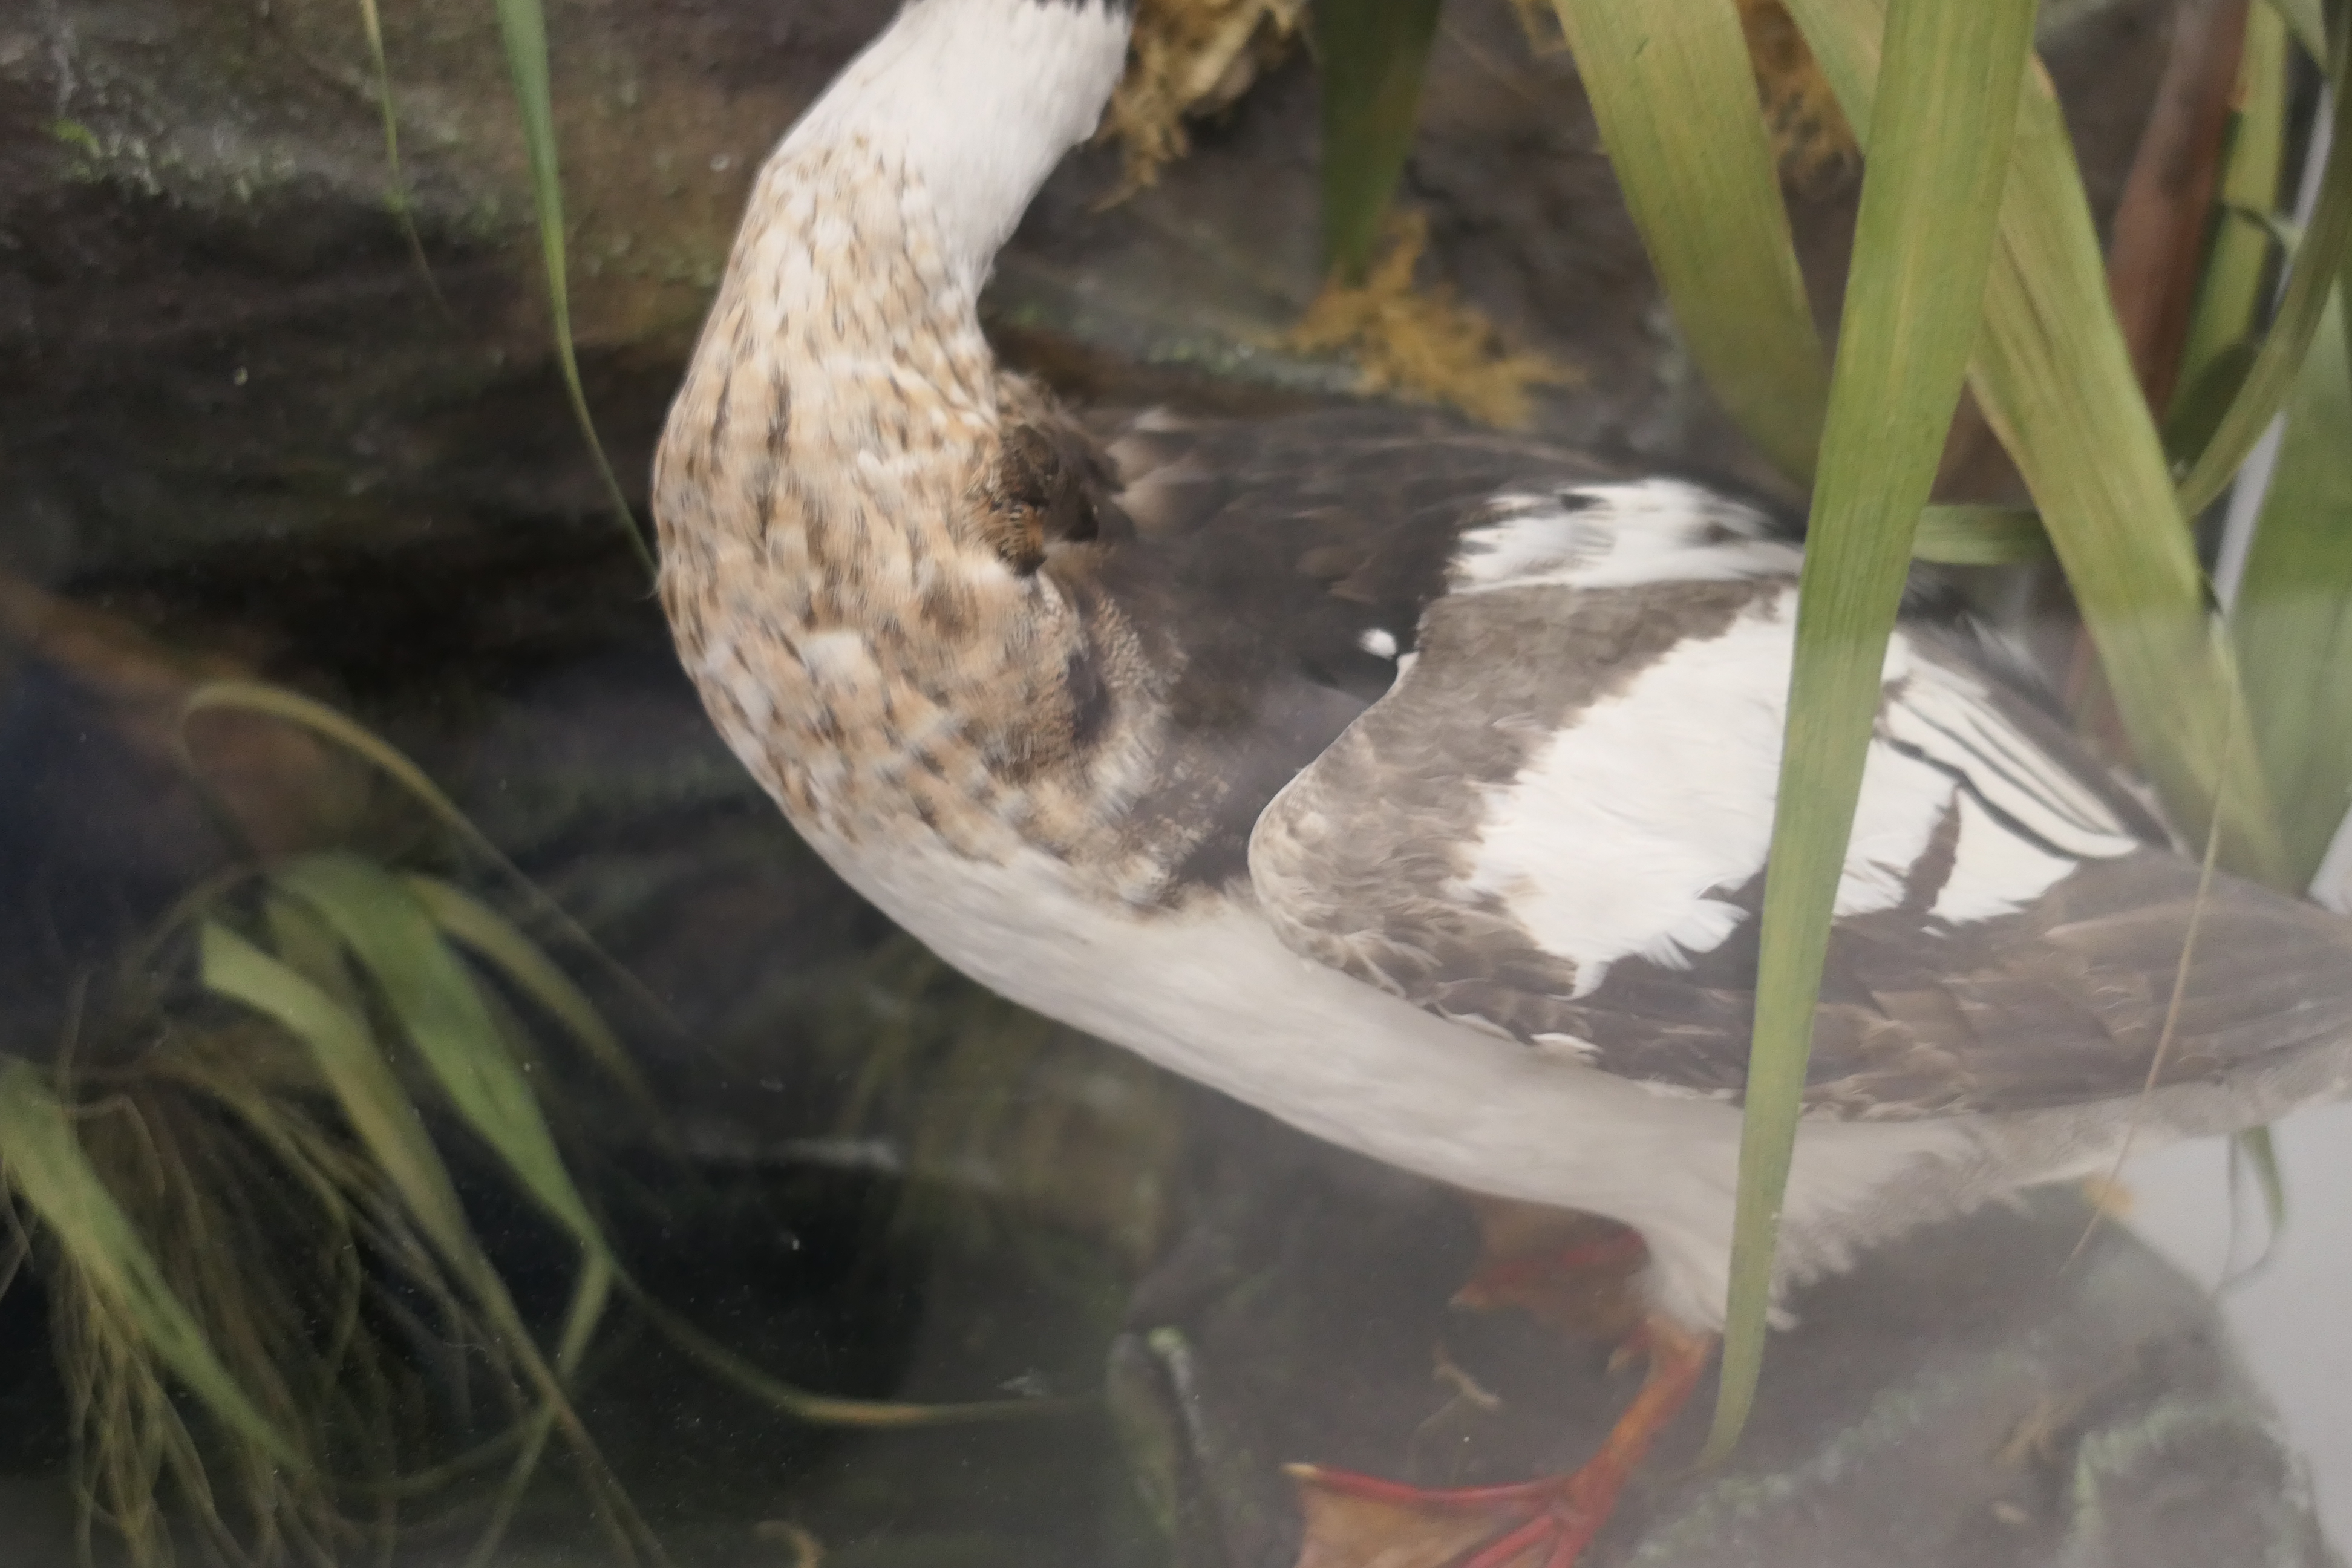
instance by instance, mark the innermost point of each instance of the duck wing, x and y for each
(1275, 571)
(1553, 826)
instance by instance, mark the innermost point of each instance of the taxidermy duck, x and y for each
(1411, 783)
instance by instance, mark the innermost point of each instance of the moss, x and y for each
(1424, 342)
(1188, 58)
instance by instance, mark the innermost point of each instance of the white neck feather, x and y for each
(979, 99)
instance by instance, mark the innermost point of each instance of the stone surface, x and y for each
(1968, 1399)
(213, 336)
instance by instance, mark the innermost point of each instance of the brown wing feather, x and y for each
(1365, 864)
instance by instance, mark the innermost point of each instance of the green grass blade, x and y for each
(1923, 244)
(305, 945)
(293, 708)
(390, 1128)
(43, 1164)
(1675, 95)
(402, 210)
(591, 1293)
(827, 1410)
(2255, 1152)
(364, 1085)
(1979, 536)
(2260, 1152)
(2319, 257)
(2292, 621)
(394, 939)
(522, 27)
(276, 702)
(1371, 57)
(2198, 407)
(2304, 20)
(2055, 382)
(476, 925)
(2231, 296)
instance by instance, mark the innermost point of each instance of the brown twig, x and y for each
(2152, 258)
(2168, 201)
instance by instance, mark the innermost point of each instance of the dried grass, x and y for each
(1189, 58)
(1424, 342)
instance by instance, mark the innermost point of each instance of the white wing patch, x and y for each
(1946, 715)
(1625, 832)
(1613, 535)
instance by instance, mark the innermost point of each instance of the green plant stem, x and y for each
(2053, 378)
(1947, 108)
(1372, 55)
(403, 208)
(2326, 244)
(522, 27)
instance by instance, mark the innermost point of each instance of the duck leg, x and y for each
(1544, 1524)
(1580, 1275)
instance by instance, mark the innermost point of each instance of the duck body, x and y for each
(1411, 783)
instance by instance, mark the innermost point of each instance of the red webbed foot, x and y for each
(1362, 1521)
(1577, 1273)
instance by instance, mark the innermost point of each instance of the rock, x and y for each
(1967, 1398)
(215, 340)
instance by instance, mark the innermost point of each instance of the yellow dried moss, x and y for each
(1190, 58)
(1424, 343)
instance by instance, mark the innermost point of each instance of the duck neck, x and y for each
(844, 344)
(975, 101)
(815, 484)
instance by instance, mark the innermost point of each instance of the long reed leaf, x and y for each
(397, 940)
(2052, 376)
(304, 944)
(276, 702)
(829, 1410)
(522, 28)
(1979, 536)
(43, 1164)
(2157, 234)
(1675, 95)
(2319, 257)
(2293, 617)
(1924, 242)
(2303, 19)
(476, 925)
(2257, 1152)
(1371, 57)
